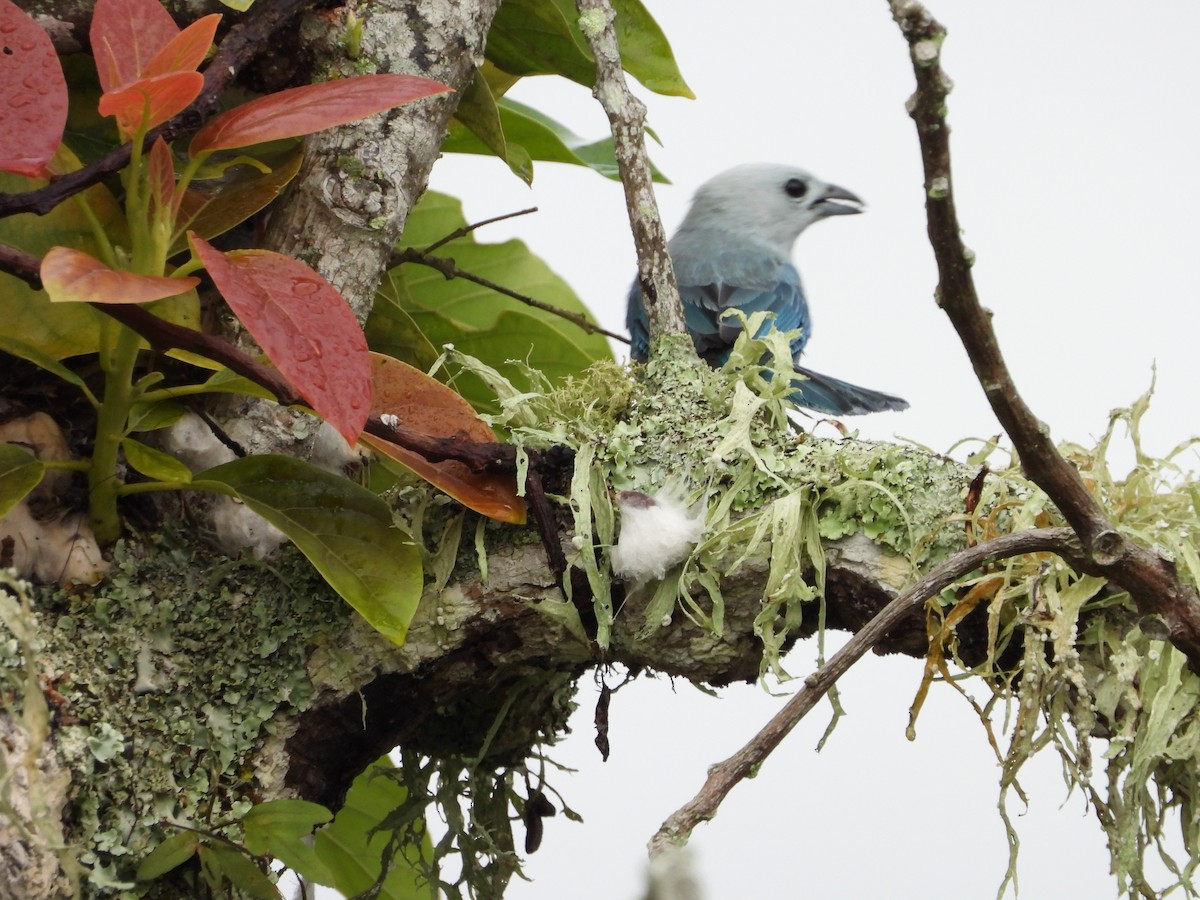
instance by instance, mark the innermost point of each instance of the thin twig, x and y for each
(725, 775)
(627, 119)
(464, 230)
(1150, 579)
(449, 268)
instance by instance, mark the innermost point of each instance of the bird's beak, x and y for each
(837, 201)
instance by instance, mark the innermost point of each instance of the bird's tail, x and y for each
(840, 398)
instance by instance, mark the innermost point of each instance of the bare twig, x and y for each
(449, 268)
(464, 230)
(1150, 579)
(725, 775)
(241, 44)
(627, 119)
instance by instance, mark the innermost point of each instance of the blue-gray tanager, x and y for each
(733, 251)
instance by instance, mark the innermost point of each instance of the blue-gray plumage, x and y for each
(733, 251)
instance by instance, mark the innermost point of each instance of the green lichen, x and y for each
(177, 666)
(350, 164)
(771, 492)
(1067, 653)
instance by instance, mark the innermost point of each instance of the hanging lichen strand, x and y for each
(1066, 651)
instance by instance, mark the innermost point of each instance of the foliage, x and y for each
(139, 239)
(532, 37)
(497, 330)
(98, 249)
(355, 851)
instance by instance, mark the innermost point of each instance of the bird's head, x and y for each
(772, 202)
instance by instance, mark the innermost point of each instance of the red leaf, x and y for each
(304, 326)
(185, 51)
(33, 94)
(425, 404)
(125, 36)
(310, 108)
(74, 277)
(163, 95)
(160, 172)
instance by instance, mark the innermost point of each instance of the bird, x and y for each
(733, 251)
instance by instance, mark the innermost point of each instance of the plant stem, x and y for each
(103, 478)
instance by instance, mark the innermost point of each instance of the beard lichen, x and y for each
(1066, 654)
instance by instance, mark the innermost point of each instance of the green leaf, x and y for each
(222, 863)
(282, 828)
(214, 209)
(32, 354)
(352, 852)
(391, 331)
(20, 472)
(345, 531)
(478, 113)
(527, 134)
(153, 415)
(480, 321)
(542, 37)
(56, 330)
(154, 464)
(284, 819)
(226, 381)
(171, 853)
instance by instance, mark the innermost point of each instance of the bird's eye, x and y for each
(796, 188)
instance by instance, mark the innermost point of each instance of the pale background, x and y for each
(1075, 143)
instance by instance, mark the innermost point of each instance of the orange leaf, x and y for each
(157, 98)
(424, 404)
(34, 92)
(72, 276)
(313, 107)
(185, 51)
(125, 36)
(303, 324)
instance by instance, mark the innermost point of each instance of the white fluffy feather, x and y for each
(657, 532)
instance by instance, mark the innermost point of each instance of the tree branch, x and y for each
(724, 776)
(1150, 579)
(627, 119)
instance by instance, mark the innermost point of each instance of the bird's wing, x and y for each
(719, 272)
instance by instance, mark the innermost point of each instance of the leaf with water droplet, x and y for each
(311, 335)
(125, 36)
(34, 92)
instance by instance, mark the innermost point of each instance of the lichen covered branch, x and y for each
(724, 776)
(1149, 578)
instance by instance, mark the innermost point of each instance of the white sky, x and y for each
(1075, 142)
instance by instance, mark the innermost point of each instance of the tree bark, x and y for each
(345, 210)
